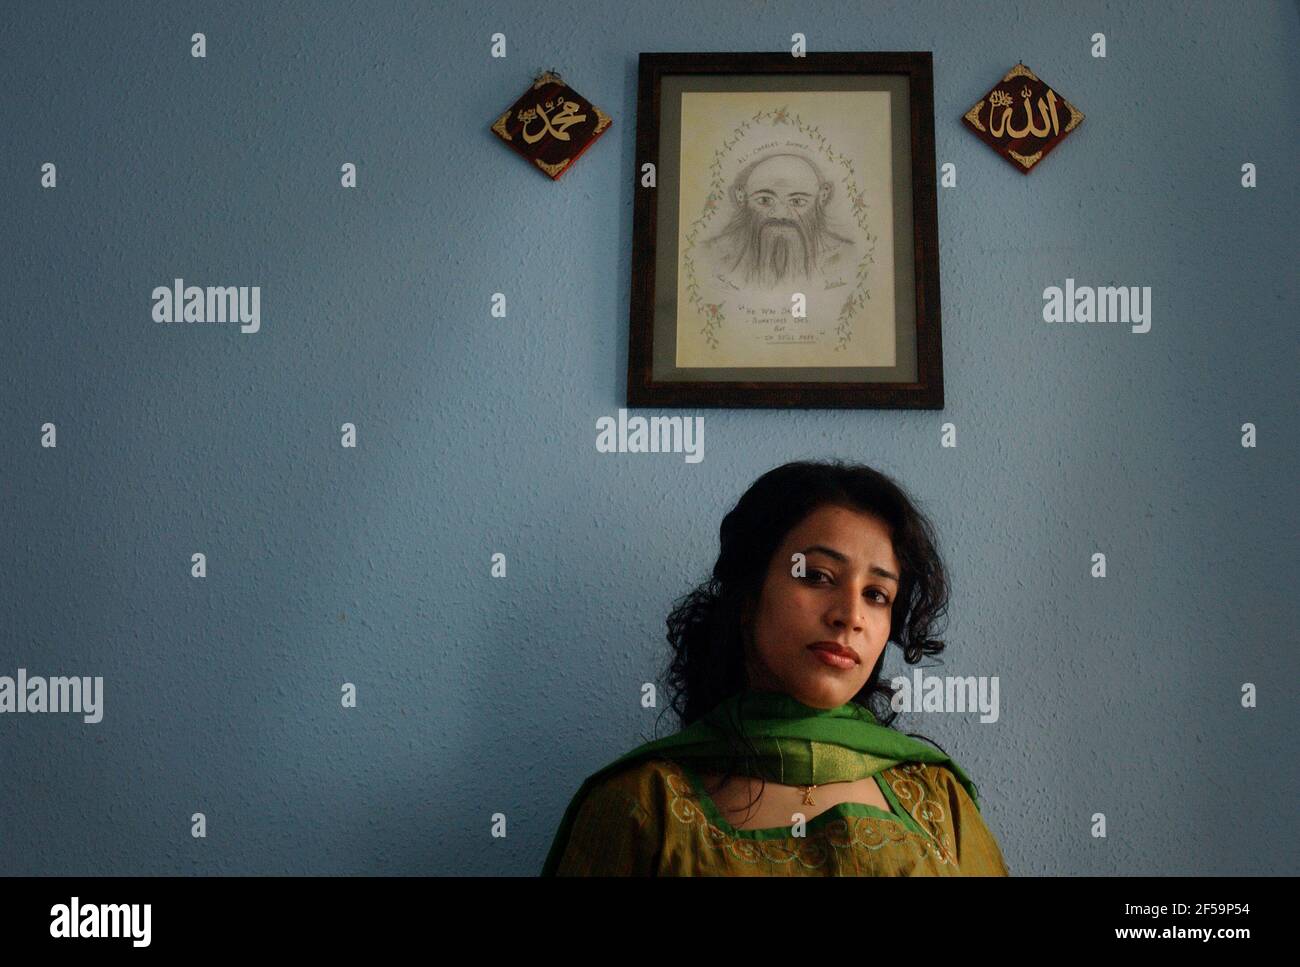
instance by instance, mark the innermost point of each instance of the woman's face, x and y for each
(845, 596)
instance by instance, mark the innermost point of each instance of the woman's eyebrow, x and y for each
(831, 552)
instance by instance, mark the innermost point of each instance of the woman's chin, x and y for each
(824, 691)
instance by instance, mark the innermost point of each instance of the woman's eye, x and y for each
(880, 597)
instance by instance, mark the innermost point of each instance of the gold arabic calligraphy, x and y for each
(556, 125)
(1046, 107)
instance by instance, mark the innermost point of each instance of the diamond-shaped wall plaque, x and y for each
(1022, 118)
(551, 124)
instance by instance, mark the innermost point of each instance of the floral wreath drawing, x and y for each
(797, 242)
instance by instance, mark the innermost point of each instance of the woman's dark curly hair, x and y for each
(705, 627)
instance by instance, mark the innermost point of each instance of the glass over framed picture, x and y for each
(785, 238)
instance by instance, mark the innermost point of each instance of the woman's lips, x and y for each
(834, 654)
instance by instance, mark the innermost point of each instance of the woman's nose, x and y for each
(848, 612)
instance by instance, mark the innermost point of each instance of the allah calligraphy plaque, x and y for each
(1022, 118)
(785, 230)
(551, 125)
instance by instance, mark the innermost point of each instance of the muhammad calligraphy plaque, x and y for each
(784, 253)
(1022, 118)
(551, 125)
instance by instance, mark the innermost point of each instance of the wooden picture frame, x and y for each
(784, 185)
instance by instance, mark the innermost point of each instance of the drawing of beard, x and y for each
(780, 251)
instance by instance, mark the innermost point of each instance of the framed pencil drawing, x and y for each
(785, 236)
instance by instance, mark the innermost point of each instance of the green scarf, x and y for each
(797, 745)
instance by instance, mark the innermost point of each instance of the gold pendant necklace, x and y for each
(807, 795)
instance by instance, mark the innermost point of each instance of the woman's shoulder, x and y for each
(640, 778)
(650, 787)
(642, 789)
(617, 822)
(929, 780)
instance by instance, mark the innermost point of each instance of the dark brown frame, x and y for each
(927, 391)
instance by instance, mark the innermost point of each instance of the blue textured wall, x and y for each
(477, 434)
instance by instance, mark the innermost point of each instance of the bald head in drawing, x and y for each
(779, 236)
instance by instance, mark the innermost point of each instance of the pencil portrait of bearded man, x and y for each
(780, 238)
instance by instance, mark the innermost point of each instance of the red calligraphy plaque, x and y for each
(551, 125)
(1022, 118)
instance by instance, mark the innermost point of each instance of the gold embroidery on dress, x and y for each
(910, 786)
(844, 832)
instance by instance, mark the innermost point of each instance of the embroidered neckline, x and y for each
(842, 826)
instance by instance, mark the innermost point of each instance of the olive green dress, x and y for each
(654, 818)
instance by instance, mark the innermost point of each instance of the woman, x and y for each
(782, 767)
